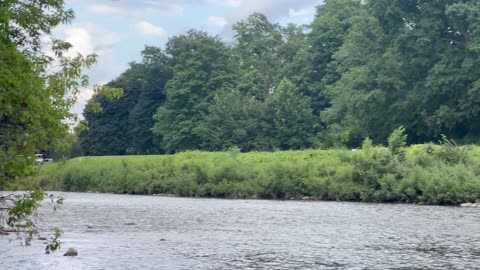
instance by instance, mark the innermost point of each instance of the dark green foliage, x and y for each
(202, 66)
(360, 69)
(107, 130)
(123, 126)
(293, 121)
(257, 42)
(157, 73)
(237, 120)
(36, 94)
(328, 32)
(397, 141)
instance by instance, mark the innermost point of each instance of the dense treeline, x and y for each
(361, 69)
(432, 174)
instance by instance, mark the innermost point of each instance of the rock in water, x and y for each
(474, 205)
(71, 252)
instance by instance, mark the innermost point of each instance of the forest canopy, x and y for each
(360, 69)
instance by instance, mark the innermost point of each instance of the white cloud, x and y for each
(135, 8)
(237, 9)
(167, 10)
(301, 11)
(274, 8)
(84, 95)
(107, 42)
(147, 29)
(217, 21)
(81, 40)
(230, 3)
(104, 9)
(86, 41)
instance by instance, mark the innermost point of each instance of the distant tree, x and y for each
(107, 132)
(360, 69)
(358, 97)
(257, 43)
(202, 66)
(316, 65)
(237, 120)
(451, 89)
(123, 125)
(294, 125)
(158, 72)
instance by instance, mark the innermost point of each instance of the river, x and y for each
(148, 232)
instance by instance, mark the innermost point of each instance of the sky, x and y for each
(118, 30)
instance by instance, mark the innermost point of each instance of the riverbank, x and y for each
(427, 174)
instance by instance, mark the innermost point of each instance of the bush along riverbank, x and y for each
(444, 174)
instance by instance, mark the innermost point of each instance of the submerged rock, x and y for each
(71, 252)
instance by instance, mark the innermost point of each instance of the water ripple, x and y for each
(141, 232)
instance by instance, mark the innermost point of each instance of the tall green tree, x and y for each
(237, 120)
(294, 125)
(108, 129)
(257, 43)
(358, 97)
(33, 102)
(317, 65)
(451, 90)
(202, 66)
(158, 72)
(432, 45)
(416, 37)
(361, 69)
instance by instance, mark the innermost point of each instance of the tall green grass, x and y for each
(432, 174)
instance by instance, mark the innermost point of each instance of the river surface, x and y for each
(148, 232)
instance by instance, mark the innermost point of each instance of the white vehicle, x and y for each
(38, 159)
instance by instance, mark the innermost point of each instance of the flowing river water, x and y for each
(148, 232)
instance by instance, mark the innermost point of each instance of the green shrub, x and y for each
(397, 142)
(432, 174)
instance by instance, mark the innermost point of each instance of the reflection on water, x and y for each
(141, 232)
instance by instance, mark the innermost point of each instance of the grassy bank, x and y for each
(431, 174)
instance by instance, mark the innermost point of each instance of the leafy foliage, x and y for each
(35, 101)
(293, 119)
(397, 141)
(360, 69)
(370, 174)
(201, 67)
